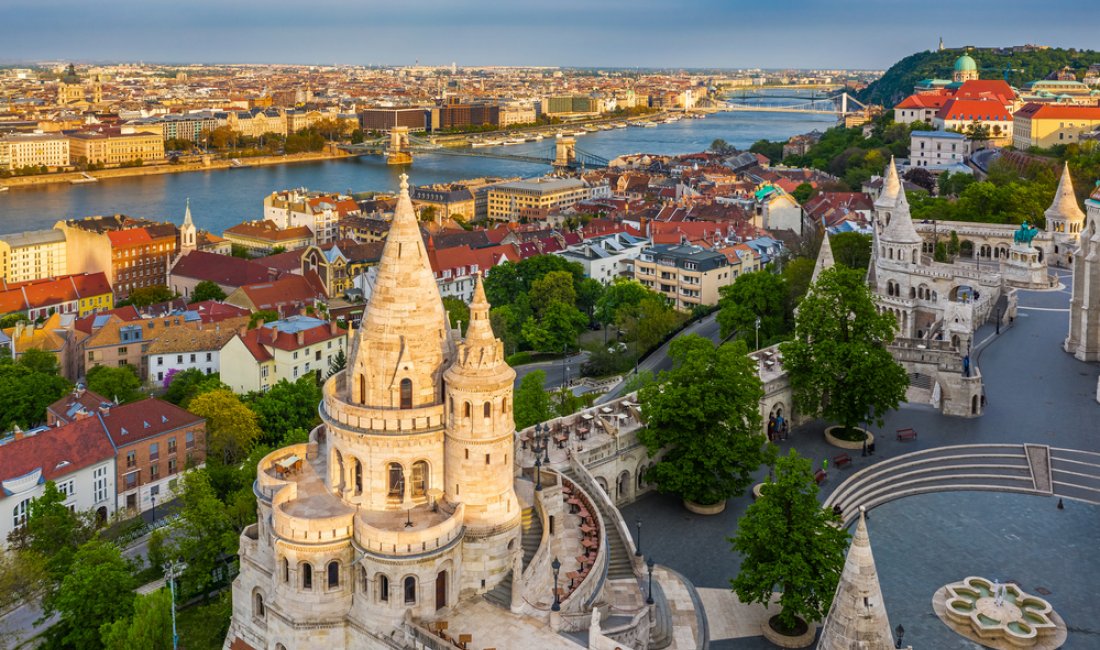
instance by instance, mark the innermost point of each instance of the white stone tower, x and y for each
(188, 234)
(896, 252)
(824, 258)
(1083, 341)
(857, 618)
(1065, 220)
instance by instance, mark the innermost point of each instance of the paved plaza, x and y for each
(1036, 393)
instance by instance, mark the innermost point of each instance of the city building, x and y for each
(257, 122)
(319, 212)
(285, 349)
(80, 294)
(384, 119)
(338, 263)
(290, 294)
(22, 150)
(964, 115)
(33, 255)
(1046, 125)
(154, 442)
(607, 257)
(141, 257)
(447, 201)
(1065, 221)
(223, 270)
(938, 151)
(685, 274)
(77, 457)
(115, 147)
(516, 200)
(54, 335)
(966, 68)
(263, 237)
(184, 348)
(115, 342)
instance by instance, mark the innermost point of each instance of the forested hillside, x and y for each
(1021, 67)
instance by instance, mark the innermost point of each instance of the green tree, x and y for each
(23, 574)
(28, 386)
(506, 327)
(183, 386)
(705, 416)
(556, 330)
(503, 283)
(589, 292)
(121, 383)
(150, 628)
(207, 290)
(556, 286)
(53, 532)
(797, 273)
(457, 312)
(231, 427)
(852, 249)
(285, 406)
(9, 320)
(205, 531)
(532, 403)
(647, 323)
(620, 293)
(788, 539)
(39, 361)
(97, 591)
(264, 315)
(755, 297)
(145, 296)
(338, 362)
(804, 192)
(773, 151)
(838, 363)
(720, 146)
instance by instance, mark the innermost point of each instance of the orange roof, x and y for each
(129, 237)
(1036, 111)
(997, 89)
(983, 110)
(924, 100)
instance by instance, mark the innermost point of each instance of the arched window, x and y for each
(383, 588)
(286, 570)
(357, 476)
(333, 574)
(419, 478)
(504, 405)
(364, 581)
(406, 393)
(258, 605)
(410, 590)
(396, 481)
(487, 410)
(467, 411)
(307, 576)
(362, 389)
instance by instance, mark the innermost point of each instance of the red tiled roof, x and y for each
(126, 314)
(286, 262)
(57, 451)
(925, 100)
(1039, 111)
(91, 284)
(128, 237)
(221, 269)
(148, 418)
(72, 402)
(997, 89)
(268, 231)
(212, 311)
(258, 340)
(289, 290)
(985, 110)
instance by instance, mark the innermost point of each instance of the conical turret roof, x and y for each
(891, 187)
(857, 617)
(481, 353)
(824, 258)
(404, 331)
(897, 222)
(1064, 207)
(187, 213)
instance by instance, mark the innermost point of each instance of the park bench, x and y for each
(841, 460)
(820, 476)
(906, 434)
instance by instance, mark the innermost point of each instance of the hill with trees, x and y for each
(993, 63)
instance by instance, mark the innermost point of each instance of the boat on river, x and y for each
(84, 178)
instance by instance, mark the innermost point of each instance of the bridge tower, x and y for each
(397, 153)
(565, 152)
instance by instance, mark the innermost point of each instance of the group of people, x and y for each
(777, 428)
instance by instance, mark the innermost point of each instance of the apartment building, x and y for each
(79, 294)
(33, 255)
(938, 150)
(607, 257)
(319, 212)
(141, 257)
(687, 275)
(115, 147)
(54, 335)
(34, 150)
(1046, 125)
(515, 200)
(263, 237)
(184, 348)
(285, 349)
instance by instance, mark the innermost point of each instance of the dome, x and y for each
(965, 64)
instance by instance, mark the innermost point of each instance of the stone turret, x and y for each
(824, 258)
(1084, 308)
(480, 429)
(857, 617)
(404, 340)
(188, 233)
(1065, 220)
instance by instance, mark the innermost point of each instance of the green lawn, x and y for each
(203, 627)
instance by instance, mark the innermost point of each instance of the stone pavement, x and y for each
(1036, 393)
(686, 632)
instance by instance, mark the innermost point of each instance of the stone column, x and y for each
(517, 580)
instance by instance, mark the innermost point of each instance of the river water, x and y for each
(222, 198)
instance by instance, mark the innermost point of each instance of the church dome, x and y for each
(965, 63)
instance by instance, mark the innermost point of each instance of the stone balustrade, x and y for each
(343, 414)
(403, 541)
(310, 528)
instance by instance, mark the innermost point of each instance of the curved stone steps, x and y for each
(881, 493)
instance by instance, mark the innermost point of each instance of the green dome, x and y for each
(965, 64)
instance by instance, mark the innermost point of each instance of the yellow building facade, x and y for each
(110, 149)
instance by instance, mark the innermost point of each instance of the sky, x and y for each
(853, 34)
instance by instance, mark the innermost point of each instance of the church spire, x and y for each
(1064, 208)
(891, 186)
(893, 214)
(824, 258)
(188, 234)
(857, 618)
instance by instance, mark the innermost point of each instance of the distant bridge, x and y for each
(839, 104)
(399, 147)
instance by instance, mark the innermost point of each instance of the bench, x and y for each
(907, 434)
(820, 476)
(841, 460)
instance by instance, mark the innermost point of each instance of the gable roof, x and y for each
(221, 269)
(53, 452)
(985, 110)
(147, 418)
(289, 290)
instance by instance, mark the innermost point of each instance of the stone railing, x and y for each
(606, 505)
(403, 542)
(534, 580)
(309, 529)
(574, 607)
(267, 483)
(634, 634)
(335, 410)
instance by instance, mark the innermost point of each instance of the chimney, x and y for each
(301, 338)
(332, 327)
(18, 432)
(242, 330)
(105, 408)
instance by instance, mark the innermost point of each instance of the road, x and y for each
(555, 369)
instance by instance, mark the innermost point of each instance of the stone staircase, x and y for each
(618, 564)
(501, 595)
(531, 525)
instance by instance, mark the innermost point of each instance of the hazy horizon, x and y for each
(806, 34)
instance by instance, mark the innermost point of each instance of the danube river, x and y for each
(222, 198)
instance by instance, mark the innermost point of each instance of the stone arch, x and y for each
(406, 388)
(357, 476)
(603, 484)
(286, 570)
(915, 256)
(441, 580)
(338, 468)
(409, 590)
(305, 570)
(504, 405)
(258, 609)
(966, 248)
(421, 478)
(1040, 250)
(912, 293)
(383, 582)
(101, 516)
(467, 410)
(395, 480)
(364, 581)
(279, 646)
(487, 410)
(622, 485)
(974, 405)
(639, 475)
(332, 575)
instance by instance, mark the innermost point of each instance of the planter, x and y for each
(848, 444)
(701, 509)
(803, 640)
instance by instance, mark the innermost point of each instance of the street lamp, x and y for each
(538, 474)
(900, 631)
(153, 520)
(757, 332)
(638, 550)
(171, 572)
(556, 566)
(649, 567)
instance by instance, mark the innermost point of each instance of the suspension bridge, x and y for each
(839, 104)
(399, 147)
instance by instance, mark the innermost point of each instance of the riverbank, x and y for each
(156, 170)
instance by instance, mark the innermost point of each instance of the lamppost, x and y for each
(171, 572)
(538, 474)
(649, 567)
(900, 631)
(638, 550)
(154, 509)
(556, 566)
(757, 332)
